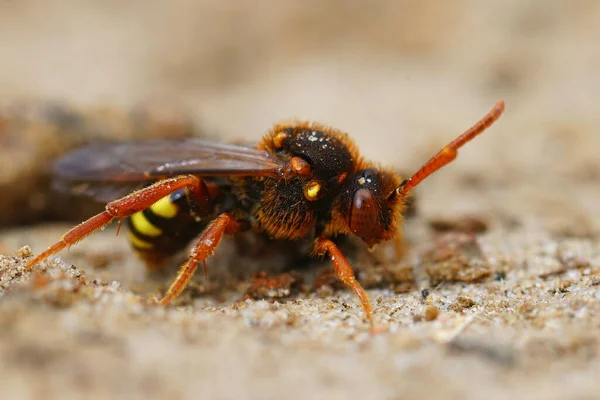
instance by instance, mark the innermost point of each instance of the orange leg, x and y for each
(126, 206)
(205, 247)
(344, 271)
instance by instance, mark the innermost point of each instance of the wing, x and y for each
(108, 171)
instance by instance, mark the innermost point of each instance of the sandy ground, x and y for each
(403, 78)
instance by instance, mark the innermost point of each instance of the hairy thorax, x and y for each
(320, 160)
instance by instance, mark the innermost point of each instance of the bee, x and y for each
(302, 180)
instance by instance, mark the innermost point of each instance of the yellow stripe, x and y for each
(164, 208)
(139, 243)
(143, 226)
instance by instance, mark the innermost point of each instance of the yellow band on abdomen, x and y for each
(139, 243)
(143, 226)
(164, 208)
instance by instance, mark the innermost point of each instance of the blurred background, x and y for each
(402, 77)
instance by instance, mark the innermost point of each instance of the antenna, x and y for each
(449, 152)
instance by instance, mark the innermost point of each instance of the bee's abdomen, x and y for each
(164, 228)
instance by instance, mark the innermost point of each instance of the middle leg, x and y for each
(204, 248)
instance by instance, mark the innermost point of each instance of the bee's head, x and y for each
(369, 207)
(372, 202)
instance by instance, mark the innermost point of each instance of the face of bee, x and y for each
(367, 208)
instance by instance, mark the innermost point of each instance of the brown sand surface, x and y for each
(513, 313)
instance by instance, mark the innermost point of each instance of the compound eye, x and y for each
(364, 215)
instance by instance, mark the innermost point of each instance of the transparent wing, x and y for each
(110, 170)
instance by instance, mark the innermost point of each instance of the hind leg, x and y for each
(123, 208)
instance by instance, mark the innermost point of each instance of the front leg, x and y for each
(204, 248)
(344, 271)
